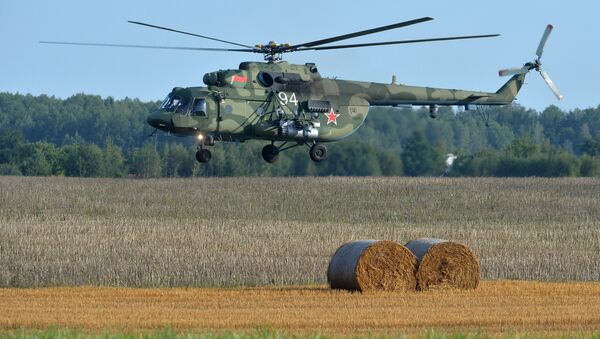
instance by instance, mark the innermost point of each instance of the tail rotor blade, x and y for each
(540, 50)
(512, 71)
(551, 84)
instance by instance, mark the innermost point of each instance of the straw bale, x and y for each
(444, 264)
(368, 265)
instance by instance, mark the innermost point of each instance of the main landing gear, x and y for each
(270, 153)
(318, 152)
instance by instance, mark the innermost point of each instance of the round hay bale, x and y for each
(368, 265)
(444, 264)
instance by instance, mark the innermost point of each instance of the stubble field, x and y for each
(264, 231)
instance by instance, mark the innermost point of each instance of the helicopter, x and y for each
(291, 105)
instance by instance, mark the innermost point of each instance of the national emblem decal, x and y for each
(331, 117)
(239, 78)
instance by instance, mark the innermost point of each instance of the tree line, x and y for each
(90, 136)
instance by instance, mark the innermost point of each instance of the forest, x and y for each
(91, 136)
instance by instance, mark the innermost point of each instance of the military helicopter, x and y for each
(291, 105)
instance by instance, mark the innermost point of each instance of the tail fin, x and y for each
(512, 87)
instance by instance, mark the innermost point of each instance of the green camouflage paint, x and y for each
(252, 102)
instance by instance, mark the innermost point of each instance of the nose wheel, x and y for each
(203, 155)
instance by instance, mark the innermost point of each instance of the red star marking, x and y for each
(331, 117)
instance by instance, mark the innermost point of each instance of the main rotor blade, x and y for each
(512, 71)
(357, 34)
(551, 84)
(540, 50)
(149, 47)
(398, 42)
(188, 33)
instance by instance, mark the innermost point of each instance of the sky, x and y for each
(26, 66)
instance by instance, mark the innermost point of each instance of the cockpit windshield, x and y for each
(177, 104)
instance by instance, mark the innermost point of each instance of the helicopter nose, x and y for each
(160, 120)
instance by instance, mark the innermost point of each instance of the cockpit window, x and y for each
(199, 107)
(175, 103)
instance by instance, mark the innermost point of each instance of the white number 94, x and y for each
(283, 97)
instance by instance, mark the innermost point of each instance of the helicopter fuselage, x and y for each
(287, 102)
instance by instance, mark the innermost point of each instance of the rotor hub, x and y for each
(272, 51)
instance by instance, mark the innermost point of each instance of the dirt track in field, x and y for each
(495, 307)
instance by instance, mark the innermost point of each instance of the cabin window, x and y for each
(199, 108)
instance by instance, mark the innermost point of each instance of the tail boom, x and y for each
(378, 94)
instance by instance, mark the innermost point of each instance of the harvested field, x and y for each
(257, 231)
(495, 307)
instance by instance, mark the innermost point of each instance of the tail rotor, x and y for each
(536, 65)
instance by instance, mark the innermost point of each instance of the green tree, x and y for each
(482, 164)
(351, 159)
(145, 162)
(559, 164)
(178, 160)
(591, 146)
(523, 148)
(391, 164)
(420, 158)
(590, 166)
(40, 159)
(10, 141)
(83, 160)
(9, 169)
(114, 162)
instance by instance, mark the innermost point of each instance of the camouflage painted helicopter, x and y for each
(292, 105)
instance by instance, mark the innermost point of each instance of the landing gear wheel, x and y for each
(203, 155)
(270, 153)
(318, 152)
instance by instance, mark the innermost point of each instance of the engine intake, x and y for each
(318, 106)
